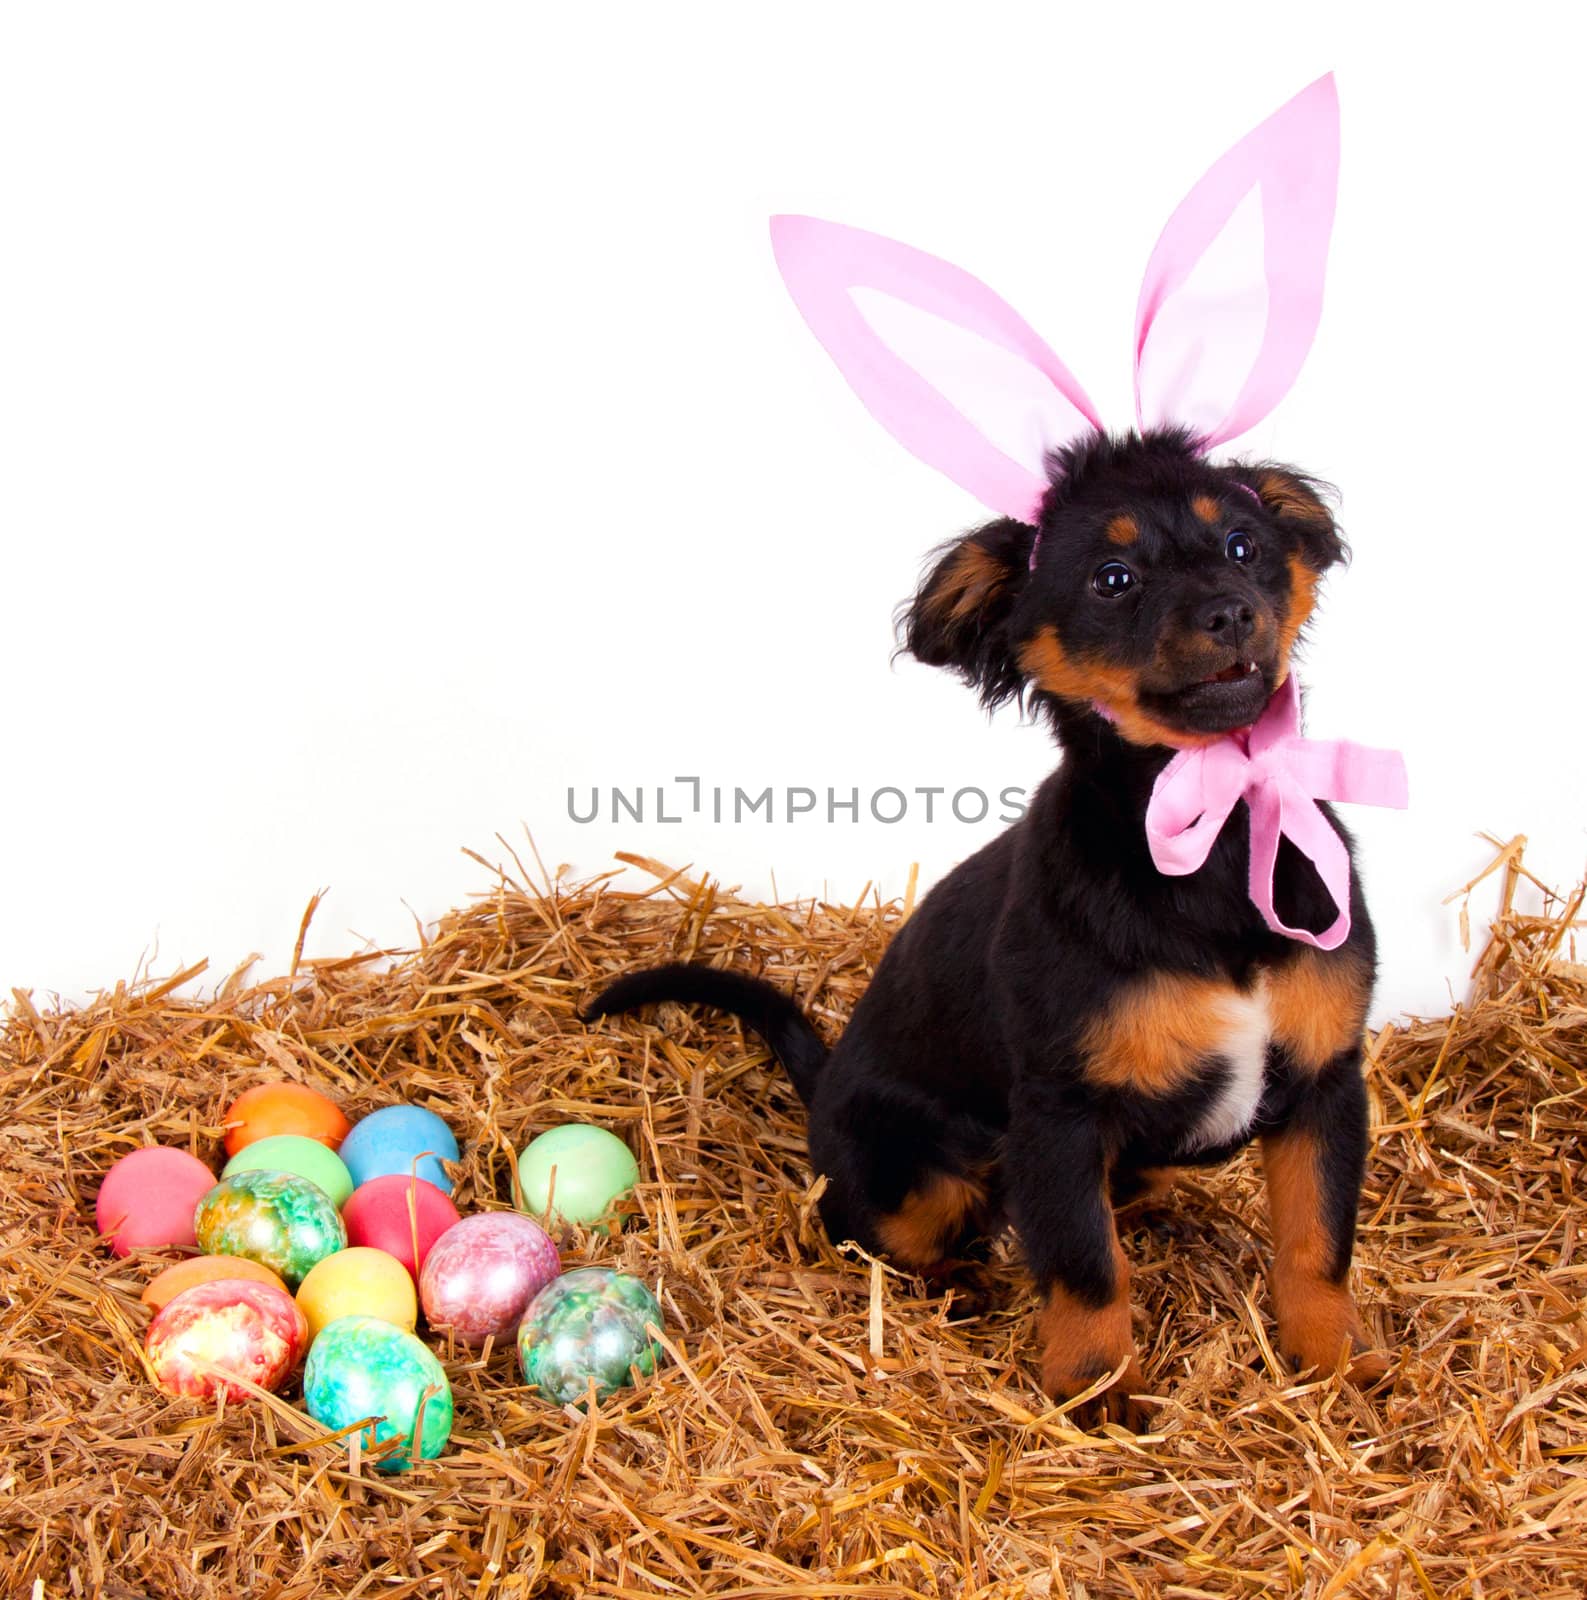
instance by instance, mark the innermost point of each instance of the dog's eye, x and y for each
(1240, 547)
(1111, 579)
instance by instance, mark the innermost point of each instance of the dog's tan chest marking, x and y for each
(1159, 1031)
(1167, 1029)
(1319, 1003)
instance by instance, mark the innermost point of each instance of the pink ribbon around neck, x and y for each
(1280, 776)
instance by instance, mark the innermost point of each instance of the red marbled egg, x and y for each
(226, 1328)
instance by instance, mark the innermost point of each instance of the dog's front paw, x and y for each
(1318, 1330)
(1122, 1401)
(1368, 1366)
(1363, 1365)
(1081, 1345)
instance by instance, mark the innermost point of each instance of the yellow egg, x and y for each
(358, 1282)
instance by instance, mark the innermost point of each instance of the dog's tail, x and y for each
(766, 1009)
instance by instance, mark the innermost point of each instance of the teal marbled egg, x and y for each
(362, 1367)
(589, 1323)
(281, 1221)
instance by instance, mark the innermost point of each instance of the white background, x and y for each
(402, 421)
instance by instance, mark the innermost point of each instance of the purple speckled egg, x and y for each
(482, 1272)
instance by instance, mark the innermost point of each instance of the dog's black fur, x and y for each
(1043, 1036)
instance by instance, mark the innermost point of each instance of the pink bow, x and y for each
(1280, 776)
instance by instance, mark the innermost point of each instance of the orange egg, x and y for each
(202, 1269)
(273, 1108)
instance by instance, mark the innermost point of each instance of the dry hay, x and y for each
(826, 1427)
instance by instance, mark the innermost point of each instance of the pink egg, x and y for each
(481, 1274)
(400, 1215)
(224, 1329)
(148, 1198)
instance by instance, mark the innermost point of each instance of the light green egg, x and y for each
(577, 1173)
(303, 1158)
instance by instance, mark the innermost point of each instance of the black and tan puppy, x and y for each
(1059, 1022)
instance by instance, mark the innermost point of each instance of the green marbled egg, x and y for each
(363, 1367)
(279, 1220)
(589, 1323)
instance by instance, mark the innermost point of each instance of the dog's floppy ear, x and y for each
(959, 617)
(1296, 503)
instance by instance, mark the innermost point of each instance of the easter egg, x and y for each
(400, 1141)
(362, 1367)
(282, 1222)
(576, 1172)
(483, 1273)
(224, 1329)
(303, 1157)
(589, 1323)
(402, 1216)
(357, 1282)
(169, 1284)
(272, 1108)
(147, 1198)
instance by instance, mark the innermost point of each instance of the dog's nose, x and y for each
(1226, 618)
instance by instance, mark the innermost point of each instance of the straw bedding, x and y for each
(825, 1426)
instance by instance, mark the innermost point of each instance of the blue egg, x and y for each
(399, 1140)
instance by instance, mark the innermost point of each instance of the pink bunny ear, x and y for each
(955, 374)
(1233, 290)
